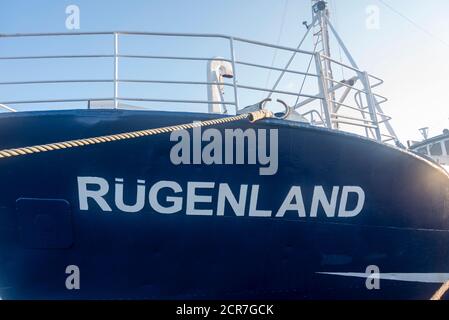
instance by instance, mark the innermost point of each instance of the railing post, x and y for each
(234, 78)
(371, 104)
(322, 84)
(116, 52)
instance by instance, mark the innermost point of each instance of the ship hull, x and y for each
(55, 246)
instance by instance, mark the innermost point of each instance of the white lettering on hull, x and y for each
(216, 199)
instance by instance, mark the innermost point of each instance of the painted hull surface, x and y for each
(204, 252)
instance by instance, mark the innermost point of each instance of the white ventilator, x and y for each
(217, 70)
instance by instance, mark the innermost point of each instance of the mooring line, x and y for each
(439, 294)
(15, 152)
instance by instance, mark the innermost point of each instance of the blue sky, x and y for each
(412, 62)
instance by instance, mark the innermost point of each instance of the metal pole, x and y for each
(116, 52)
(341, 43)
(322, 84)
(326, 64)
(292, 57)
(7, 108)
(371, 104)
(386, 122)
(234, 78)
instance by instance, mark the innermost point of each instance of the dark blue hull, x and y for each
(402, 228)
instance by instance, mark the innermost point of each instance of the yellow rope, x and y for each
(441, 292)
(252, 117)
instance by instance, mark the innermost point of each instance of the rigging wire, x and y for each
(284, 13)
(413, 22)
(305, 76)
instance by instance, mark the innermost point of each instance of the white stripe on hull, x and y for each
(409, 277)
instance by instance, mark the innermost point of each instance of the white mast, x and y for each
(370, 109)
(320, 13)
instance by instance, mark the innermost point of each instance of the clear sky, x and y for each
(411, 59)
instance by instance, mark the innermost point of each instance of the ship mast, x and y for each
(346, 102)
(320, 14)
(369, 108)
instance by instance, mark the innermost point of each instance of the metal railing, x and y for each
(329, 113)
(116, 56)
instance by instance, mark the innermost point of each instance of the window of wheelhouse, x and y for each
(436, 149)
(446, 144)
(423, 150)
